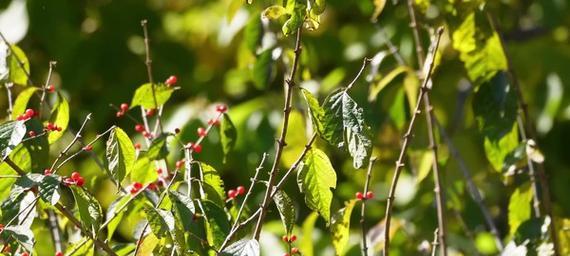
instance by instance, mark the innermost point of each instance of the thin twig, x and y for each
(243, 203)
(289, 85)
(363, 207)
(9, 96)
(54, 231)
(66, 149)
(364, 63)
(45, 87)
(399, 163)
(148, 63)
(415, 32)
(528, 129)
(20, 63)
(434, 243)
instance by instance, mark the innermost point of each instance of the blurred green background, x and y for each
(99, 49)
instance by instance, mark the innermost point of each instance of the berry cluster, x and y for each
(233, 193)
(122, 110)
(74, 179)
(29, 113)
(135, 188)
(289, 240)
(140, 129)
(170, 81)
(50, 127)
(368, 195)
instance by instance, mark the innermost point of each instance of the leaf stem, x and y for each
(363, 207)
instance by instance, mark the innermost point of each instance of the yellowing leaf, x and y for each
(519, 207)
(59, 117)
(378, 8)
(340, 227)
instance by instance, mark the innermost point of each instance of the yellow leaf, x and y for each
(378, 8)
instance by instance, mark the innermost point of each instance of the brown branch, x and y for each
(363, 206)
(399, 163)
(528, 132)
(148, 63)
(415, 32)
(434, 243)
(289, 85)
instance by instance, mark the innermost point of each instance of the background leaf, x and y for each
(287, 210)
(340, 227)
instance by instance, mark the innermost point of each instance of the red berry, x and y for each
(59, 254)
(179, 164)
(232, 194)
(25, 254)
(240, 190)
(75, 175)
(68, 181)
(58, 128)
(177, 130)
(137, 185)
(133, 191)
(285, 238)
(369, 195)
(124, 107)
(150, 112)
(152, 186)
(202, 132)
(197, 148)
(221, 108)
(159, 170)
(285, 254)
(171, 80)
(359, 195)
(137, 146)
(139, 128)
(30, 113)
(214, 122)
(32, 134)
(120, 114)
(294, 250)
(21, 118)
(147, 135)
(51, 88)
(47, 171)
(293, 238)
(80, 181)
(88, 148)
(1, 227)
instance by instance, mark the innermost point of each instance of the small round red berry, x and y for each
(202, 132)
(293, 238)
(152, 186)
(75, 176)
(232, 194)
(213, 121)
(1, 226)
(147, 135)
(369, 195)
(294, 250)
(124, 107)
(137, 185)
(120, 114)
(172, 80)
(25, 254)
(221, 108)
(240, 190)
(286, 254)
(30, 113)
(88, 148)
(79, 182)
(197, 148)
(159, 171)
(68, 181)
(47, 171)
(137, 146)
(359, 196)
(59, 254)
(151, 112)
(285, 238)
(179, 164)
(32, 134)
(58, 128)
(21, 118)
(133, 191)
(51, 88)
(139, 128)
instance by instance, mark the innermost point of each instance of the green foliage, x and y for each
(287, 210)
(151, 96)
(11, 134)
(315, 178)
(60, 117)
(18, 66)
(340, 227)
(120, 154)
(22, 100)
(519, 207)
(217, 225)
(228, 135)
(90, 210)
(244, 247)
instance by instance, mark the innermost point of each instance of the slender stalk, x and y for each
(254, 180)
(66, 149)
(148, 63)
(54, 231)
(406, 139)
(528, 132)
(364, 63)
(98, 137)
(471, 187)
(434, 243)
(18, 60)
(415, 32)
(289, 85)
(9, 96)
(363, 207)
(45, 87)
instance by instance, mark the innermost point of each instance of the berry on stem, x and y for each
(75, 175)
(59, 254)
(222, 108)
(150, 112)
(25, 254)
(197, 148)
(359, 195)
(139, 128)
(79, 182)
(202, 132)
(88, 148)
(232, 194)
(30, 113)
(369, 195)
(172, 80)
(294, 250)
(124, 107)
(240, 190)
(137, 185)
(137, 146)
(285, 238)
(32, 134)
(177, 130)
(293, 238)
(213, 121)
(180, 164)
(51, 88)
(47, 171)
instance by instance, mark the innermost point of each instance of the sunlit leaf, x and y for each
(287, 210)
(212, 178)
(228, 135)
(253, 33)
(145, 97)
(519, 207)
(21, 102)
(48, 189)
(120, 154)
(315, 178)
(244, 247)
(18, 66)
(274, 12)
(90, 210)
(23, 235)
(378, 8)
(307, 243)
(340, 227)
(217, 224)
(60, 117)
(11, 134)
(377, 87)
(262, 69)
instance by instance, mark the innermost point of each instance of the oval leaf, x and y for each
(244, 247)
(286, 209)
(21, 102)
(340, 227)
(11, 134)
(144, 96)
(60, 117)
(120, 154)
(228, 135)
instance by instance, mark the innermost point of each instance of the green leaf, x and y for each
(115, 213)
(120, 154)
(23, 235)
(306, 244)
(274, 12)
(217, 224)
(211, 177)
(228, 135)
(158, 148)
(315, 178)
(378, 8)
(317, 6)
(183, 208)
(397, 110)
(60, 117)
(315, 111)
(340, 227)
(386, 80)
(344, 127)
(262, 69)
(17, 74)
(253, 33)
(144, 96)
(48, 189)
(83, 247)
(244, 247)
(144, 170)
(425, 162)
(479, 48)
(11, 134)
(21, 102)
(532, 230)
(293, 23)
(90, 211)
(519, 207)
(287, 210)
(160, 221)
